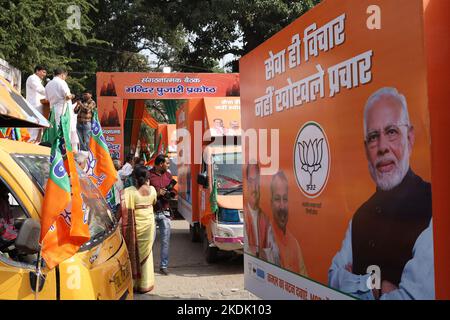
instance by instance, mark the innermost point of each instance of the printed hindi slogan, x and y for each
(298, 292)
(181, 86)
(348, 74)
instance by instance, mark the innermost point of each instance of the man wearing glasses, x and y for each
(392, 231)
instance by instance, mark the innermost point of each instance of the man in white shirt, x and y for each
(35, 92)
(58, 92)
(218, 129)
(127, 168)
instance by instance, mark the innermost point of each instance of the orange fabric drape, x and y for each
(124, 109)
(149, 120)
(139, 108)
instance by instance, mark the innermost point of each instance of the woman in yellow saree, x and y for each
(138, 228)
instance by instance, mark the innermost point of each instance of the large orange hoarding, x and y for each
(348, 211)
(187, 115)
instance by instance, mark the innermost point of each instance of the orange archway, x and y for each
(121, 100)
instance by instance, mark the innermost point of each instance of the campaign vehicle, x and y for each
(210, 172)
(100, 270)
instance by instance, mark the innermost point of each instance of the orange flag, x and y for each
(101, 168)
(64, 225)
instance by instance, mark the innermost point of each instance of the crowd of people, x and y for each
(145, 207)
(55, 96)
(144, 192)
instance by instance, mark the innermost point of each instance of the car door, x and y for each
(17, 272)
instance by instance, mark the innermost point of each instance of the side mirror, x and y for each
(202, 179)
(27, 241)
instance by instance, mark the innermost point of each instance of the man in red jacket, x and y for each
(160, 178)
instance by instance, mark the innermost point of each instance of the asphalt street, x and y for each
(191, 277)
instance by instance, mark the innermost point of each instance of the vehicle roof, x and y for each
(11, 146)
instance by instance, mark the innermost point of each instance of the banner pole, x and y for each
(38, 274)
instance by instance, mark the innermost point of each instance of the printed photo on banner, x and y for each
(349, 210)
(110, 115)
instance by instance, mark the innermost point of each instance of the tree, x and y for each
(36, 32)
(215, 28)
(114, 35)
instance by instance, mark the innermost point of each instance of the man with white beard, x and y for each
(391, 233)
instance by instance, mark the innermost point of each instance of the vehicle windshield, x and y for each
(101, 221)
(227, 170)
(173, 166)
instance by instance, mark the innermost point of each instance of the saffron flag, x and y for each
(17, 134)
(79, 228)
(51, 132)
(64, 225)
(3, 132)
(213, 198)
(24, 134)
(158, 150)
(213, 203)
(111, 200)
(101, 168)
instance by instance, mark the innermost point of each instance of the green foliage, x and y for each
(35, 32)
(187, 35)
(215, 28)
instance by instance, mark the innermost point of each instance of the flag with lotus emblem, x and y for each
(311, 154)
(101, 168)
(51, 132)
(64, 224)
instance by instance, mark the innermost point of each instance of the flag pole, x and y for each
(38, 274)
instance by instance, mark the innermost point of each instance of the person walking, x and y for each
(160, 178)
(138, 228)
(35, 92)
(85, 111)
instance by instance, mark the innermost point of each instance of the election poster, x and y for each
(167, 85)
(111, 119)
(338, 169)
(115, 90)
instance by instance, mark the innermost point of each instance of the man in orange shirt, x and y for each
(256, 222)
(289, 254)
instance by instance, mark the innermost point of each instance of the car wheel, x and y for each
(194, 233)
(211, 253)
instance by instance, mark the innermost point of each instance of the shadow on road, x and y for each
(186, 258)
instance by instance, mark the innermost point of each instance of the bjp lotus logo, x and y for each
(311, 154)
(311, 159)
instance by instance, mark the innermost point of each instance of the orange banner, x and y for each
(110, 114)
(167, 85)
(345, 86)
(149, 120)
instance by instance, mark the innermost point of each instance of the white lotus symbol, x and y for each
(311, 154)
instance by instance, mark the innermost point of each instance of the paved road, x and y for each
(191, 277)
